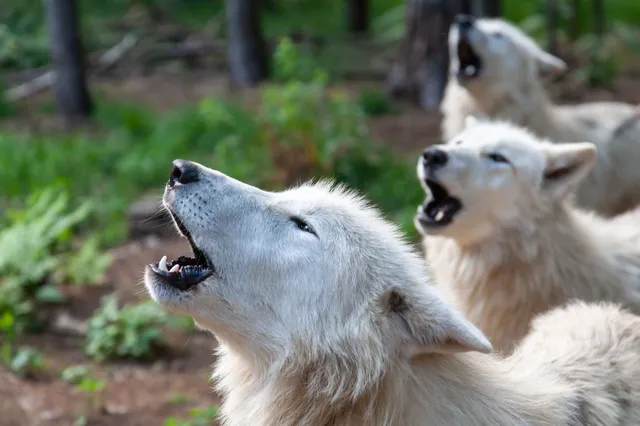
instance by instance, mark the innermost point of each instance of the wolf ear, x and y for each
(548, 64)
(428, 325)
(567, 165)
(471, 120)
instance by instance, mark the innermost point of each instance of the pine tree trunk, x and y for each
(248, 59)
(421, 69)
(358, 16)
(70, 88)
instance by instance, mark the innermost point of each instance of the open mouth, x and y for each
(184, 272)
(470, 63)
(441, 208)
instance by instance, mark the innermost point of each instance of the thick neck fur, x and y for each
(537, 262)
(453, 389)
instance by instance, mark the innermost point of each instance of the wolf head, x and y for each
(312, 272)
(494, 55)
(494, 175)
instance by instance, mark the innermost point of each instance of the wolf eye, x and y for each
(302, 225)
(498, 158)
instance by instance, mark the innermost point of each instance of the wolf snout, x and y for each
(434, 158)
(183, 172)
(465, 21)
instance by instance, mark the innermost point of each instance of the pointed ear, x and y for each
(426, 324)
(548, 64)
(473, 119)
(567, 165)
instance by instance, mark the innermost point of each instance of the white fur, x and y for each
(518, 247)
(509, 87)
(340, 326)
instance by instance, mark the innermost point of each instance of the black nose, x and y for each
(465, 21)
(434, 157)
(183, 172)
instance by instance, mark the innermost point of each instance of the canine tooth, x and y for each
(163, 264)
(175, 268)
(439, 215)
(470, 69)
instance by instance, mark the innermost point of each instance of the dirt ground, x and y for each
(145, 394)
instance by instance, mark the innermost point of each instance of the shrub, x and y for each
(197, 417)
(32, 250)
(130, 332)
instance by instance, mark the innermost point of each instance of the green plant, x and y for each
(129, 332)
(291, 63)
(81, 378)
(197, 417)
(374, 102)
(88, 264)
(32, 247)
(23, 361)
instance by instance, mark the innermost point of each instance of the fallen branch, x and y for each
(107, 60)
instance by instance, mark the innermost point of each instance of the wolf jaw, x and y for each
(470, 64)
(440, 208)
(184, 273)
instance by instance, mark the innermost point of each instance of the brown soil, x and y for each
(145, 394)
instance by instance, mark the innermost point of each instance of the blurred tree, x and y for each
(420, 71)
(248, 59)
(493, 8)
(70, 89)
(598, 18)
(552, 25)
(358, 15)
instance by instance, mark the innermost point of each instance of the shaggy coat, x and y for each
(509, 87)
(520, 247)
(325, 316)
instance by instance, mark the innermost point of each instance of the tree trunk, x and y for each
(552, 25)
(70, 89)
(598, 18)
(574, 23)
(248, 59)
(420, 72)
(358, 16)
(493, 8)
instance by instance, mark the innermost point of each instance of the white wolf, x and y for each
(324, 316)
(496, 73)
(500, 233)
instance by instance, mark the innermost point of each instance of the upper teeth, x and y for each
(163, 264)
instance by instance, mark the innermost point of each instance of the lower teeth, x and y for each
(470, 70)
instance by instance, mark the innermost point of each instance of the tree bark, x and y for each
(246, 50)
(70, 89)
(574, 23)
(598, 18)
(493, 8)
(552, 25)
(358, 16)
(421, 69)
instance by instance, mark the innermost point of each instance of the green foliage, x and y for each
(22, 361)
(133, 331)
(81, 378)
(197, 417)
(291, 63)
(374, 102)
(6, 107)
(26, 362)
(32, 250)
